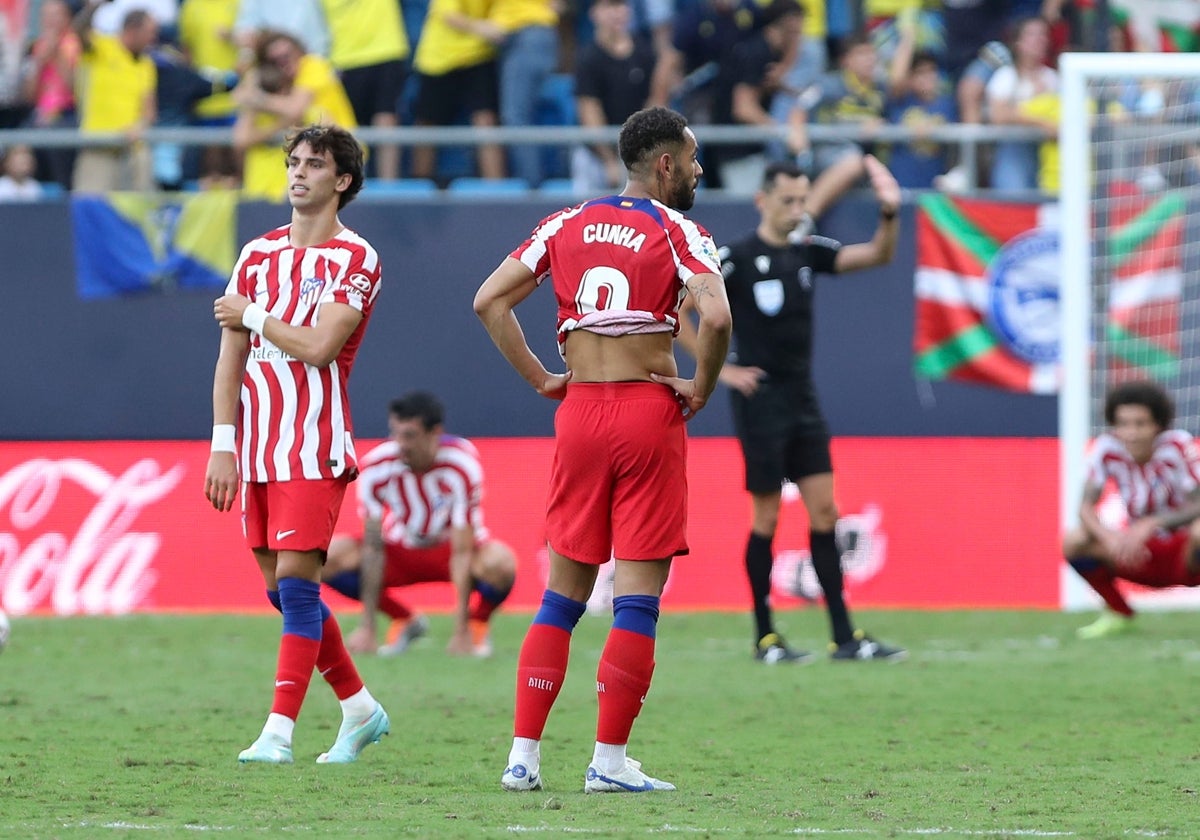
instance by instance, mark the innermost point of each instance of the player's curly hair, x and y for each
(1145, 393)
(419, 405)
(645, 134)
(347, 153)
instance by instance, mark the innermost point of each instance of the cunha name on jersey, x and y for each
(623, 235)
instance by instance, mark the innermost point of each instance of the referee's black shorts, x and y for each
(782, 433)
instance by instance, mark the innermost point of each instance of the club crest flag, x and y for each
(987, 293)
(134, 243)
(987, 289)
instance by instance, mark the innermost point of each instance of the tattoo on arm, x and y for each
(700, 289)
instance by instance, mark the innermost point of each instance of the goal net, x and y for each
(1130, 294)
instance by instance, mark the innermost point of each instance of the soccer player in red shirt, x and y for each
(420, 497)
(292, 318)
(620, 266)
(1156, 471)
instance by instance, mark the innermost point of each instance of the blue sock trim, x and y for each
(636, 613)
(559, 611)
(347, 583)
(301, 602)
(490, 593)
(1083, 565)
(273, 597)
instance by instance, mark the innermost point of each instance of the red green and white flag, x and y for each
(987, 285)
(1160, 26)
(1143, 256)
(987, 293)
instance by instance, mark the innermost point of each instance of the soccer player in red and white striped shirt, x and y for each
(421, 501)
(620, 266)
(292, 319)
(1156, 471)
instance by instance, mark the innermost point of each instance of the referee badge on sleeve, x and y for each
(768, 296)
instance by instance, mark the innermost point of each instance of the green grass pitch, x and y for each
(1000, 725)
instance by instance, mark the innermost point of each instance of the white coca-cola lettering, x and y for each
(104, 567)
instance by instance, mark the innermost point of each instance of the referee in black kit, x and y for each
(770, 276)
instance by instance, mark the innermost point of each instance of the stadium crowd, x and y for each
(123, 66)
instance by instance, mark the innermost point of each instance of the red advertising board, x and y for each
(117, 527)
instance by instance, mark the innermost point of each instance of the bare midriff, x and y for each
(626, 358)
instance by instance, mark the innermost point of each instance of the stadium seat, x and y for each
(556, 101)
(398, 188)
(482, 187)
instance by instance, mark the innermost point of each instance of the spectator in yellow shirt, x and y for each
(117, 97)
(456, 72)
(206, 34)
(286, 87)
(369, 49)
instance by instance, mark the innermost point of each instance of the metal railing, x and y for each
(965, 138)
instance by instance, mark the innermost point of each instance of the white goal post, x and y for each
(1083, 351)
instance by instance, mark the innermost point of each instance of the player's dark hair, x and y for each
(346, 152)
(1145, 393)
(647, 134)
(780, 167)
(418, 405)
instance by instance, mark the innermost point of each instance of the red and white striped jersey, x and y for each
(1161, 484)
(418, 510)
(618, 264)
(295, 421)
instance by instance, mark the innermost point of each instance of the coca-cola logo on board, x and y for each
(50, 557)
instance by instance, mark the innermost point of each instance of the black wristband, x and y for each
(888, 215)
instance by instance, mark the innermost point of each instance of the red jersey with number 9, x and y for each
(618, 264)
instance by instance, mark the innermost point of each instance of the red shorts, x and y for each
(618, 485)
(1167, 564)
(403, 566)
(292, 515)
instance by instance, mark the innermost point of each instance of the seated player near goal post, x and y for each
(419, 496)
(1156, 470)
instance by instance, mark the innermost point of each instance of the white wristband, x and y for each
(254, 317)
(224, 438)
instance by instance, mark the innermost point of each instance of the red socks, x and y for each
(297, 655)
(393, 609)
(622, 680)
(541, 667)
(481, 608)
(1103, 581)
(334, 662)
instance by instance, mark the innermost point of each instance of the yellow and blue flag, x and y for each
(133, 243)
